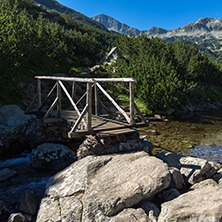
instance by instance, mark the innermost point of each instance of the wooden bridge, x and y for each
(85, 116)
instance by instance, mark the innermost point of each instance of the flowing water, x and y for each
(12, 190)
(201, 137)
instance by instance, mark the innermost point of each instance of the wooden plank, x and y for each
(59, 104)
(79, 119)
(48, 96)
(113, 102)
(51, 108)
(114, 80)
(116, 132)
(70, 79)
(39, 93)
(89, 103)
(87, 80)
(81, 98)
(139, 112)
(131, 89)
(96, 100)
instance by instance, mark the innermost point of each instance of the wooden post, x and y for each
(74, 91)
(59, 104)
(96, 100)
(131, 89)
(39, 93)
(89, 103)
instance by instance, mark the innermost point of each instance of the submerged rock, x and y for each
(6, 174)
(52, 157)
(106, 184)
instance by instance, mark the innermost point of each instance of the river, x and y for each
(200, 136)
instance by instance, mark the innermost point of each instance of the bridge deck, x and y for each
(100, 125)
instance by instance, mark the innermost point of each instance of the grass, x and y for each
(124, 101)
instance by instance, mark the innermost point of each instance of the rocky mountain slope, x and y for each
(78, 17)
(114, 25)
(205, 32)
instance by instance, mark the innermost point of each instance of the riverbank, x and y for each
(131, 182)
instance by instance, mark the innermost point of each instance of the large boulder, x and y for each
(16, 129)
(104, 185)
(195, 170)
(197, 205)
(52, 156)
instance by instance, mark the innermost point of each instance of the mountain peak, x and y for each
(114, 25)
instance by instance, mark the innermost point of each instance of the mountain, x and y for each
(78, 17)
(114, 25)
(205, 32)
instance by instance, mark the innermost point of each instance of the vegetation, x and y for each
(28, 40)
(33, 42)
(167, 75)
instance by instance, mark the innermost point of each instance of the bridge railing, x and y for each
(95, 83)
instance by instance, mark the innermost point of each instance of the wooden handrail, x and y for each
(79, 119)
(51, 108)
(113, 102)
(71, 100)
(48, 96)
(32, 103)
(87, 80)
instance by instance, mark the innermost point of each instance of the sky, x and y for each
(143, 15)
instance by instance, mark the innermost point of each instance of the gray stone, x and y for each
(194, 169)
(177, 180)
(108, 184)
(137, 180)
(197, 205)
(204, 183)
(15, 130)
(71, 209)
(16, 217)
(65, 208)
(131, 215)
(172, 159)
(93, 145)
(6, 174)
(29, 203)
(52, 156)
(49, 210)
